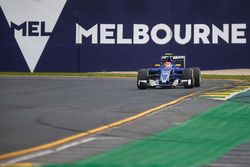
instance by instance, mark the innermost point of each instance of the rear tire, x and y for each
(142, 75)
(197, 76)
(188, 74)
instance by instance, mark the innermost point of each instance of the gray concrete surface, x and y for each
(135, 130)
(38, 110)
(238, 157)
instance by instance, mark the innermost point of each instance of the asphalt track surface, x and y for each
(38, 110)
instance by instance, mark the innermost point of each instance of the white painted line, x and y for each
(74, 144)
(232, 95)
(46, 152)
(27, 157)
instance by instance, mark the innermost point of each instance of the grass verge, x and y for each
(235, 77)
(76, 74)
(114, 74)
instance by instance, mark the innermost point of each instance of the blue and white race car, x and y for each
(172, 72)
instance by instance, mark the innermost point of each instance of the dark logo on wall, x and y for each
(32, 25)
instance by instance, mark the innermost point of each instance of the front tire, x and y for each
(197, 76)
(142, 75)
(188, 75)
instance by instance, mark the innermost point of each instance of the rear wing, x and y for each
(180, 61)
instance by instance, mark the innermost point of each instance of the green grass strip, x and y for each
(69, 74)
(112, 74)
(195, 142)
(235, 77)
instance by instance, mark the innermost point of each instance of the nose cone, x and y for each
(165, 74)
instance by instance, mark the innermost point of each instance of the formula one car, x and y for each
(172, 72)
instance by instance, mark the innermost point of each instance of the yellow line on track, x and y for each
(244, 86)
(218, 93)
(214, 95)
(93, 131)
(235, 90)
(23, 164)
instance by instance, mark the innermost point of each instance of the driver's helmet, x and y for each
(168, 57)
(167, 64)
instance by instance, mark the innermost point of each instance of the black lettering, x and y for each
(43, 32)
(22, 27)
(33, 27)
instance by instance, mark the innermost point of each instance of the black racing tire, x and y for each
(188, 74)
(142, 75)
(197, 76)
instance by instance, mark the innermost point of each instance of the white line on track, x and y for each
(50, 151)
(232, 95)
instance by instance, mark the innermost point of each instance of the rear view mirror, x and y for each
(178, 65)
(157, 65)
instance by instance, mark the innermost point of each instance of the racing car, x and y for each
(171, 73)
